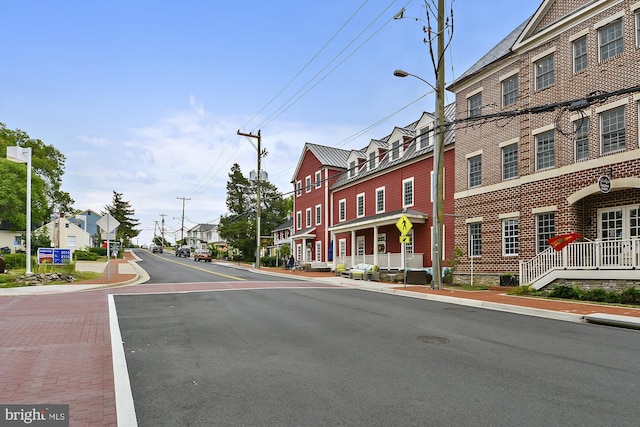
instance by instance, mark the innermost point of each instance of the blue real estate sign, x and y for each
(54, 256)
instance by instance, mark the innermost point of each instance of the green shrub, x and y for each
(99, 251)
(630, 296)
(268, 261)
(85, 256)
(13, 261)
(596, 294)
(565, 292)
(519, 290)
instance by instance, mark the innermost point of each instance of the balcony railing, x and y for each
(599, 255)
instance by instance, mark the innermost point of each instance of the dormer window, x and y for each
(372, 160)
(395, 150)
(424, 137)
(352, 169)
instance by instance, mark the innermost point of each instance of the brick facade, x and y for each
(566, 188)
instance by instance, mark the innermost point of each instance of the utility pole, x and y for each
(438, 153)
(162, 229)
(258, 207)
(182, 226)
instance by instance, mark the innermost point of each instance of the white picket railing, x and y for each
(599, 255)
(388, 261)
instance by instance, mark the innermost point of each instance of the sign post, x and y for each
(108, 224)
(404, 225)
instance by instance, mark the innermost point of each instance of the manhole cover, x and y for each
(433, 340)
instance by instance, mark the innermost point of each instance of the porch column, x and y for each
(333, 248)
(375, 245)
(304, 249)
(353, 248)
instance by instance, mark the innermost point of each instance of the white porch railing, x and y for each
(388, 261)
(600, 255)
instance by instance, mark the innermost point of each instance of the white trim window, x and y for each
(373, 156)
(318, 179)
(308, 217)
(425, 136)
(407, 192)
(474, 165)
(545, 150)
(475, 239)
(342, 248)
(544, 70)
(299, 220)
(382, 243)
(298, 188)
(318, 251)
(307, 184)
(510, 91)
(474, 105)
(318, 214)
(581, 138)
(352, 169)
(613, 130)
(342, 210)
(360, 245)
(545, 229)
(580, 60)
(360, 205)
(408, 247)
(611, 40)
(380, 200)
(510, 236)
(395, 150)
(509, 161)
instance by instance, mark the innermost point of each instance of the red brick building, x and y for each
(547, 144)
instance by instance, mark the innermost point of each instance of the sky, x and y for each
(145, 97)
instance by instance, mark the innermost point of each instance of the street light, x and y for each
(23, 155)
(437, 185)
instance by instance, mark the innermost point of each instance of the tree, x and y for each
(123, 212)
(13, 196)
(47, 163)
(239, 227)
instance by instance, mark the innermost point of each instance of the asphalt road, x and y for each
(168, 268)
(310, 357)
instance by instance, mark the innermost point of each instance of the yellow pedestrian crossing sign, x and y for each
(404, 225)
(405, 239)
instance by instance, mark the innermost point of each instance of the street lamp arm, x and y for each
(402, 73)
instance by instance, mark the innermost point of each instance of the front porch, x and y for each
(599, 260)
(387, 261)
(375, 240)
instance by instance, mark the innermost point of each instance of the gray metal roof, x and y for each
(329, 156)
(287, 224)
(409, 153)
(499, 51)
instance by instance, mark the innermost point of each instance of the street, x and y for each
(346, 357)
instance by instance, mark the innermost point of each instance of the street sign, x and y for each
(404, 225)
(405, 239)
(55, 256)
(108, 223)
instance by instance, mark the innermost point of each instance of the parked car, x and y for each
(183, 251)
(202, 255)
(156, 248)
